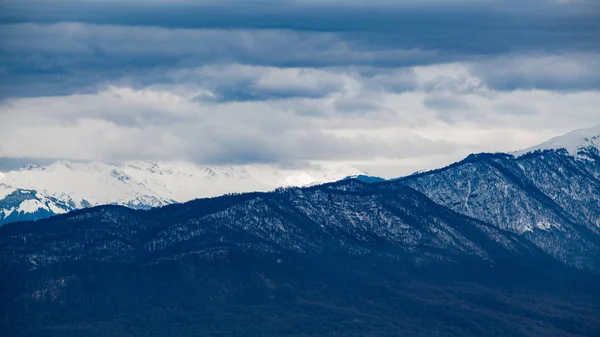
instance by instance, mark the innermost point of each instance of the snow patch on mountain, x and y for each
(4, 213)
(31, 206)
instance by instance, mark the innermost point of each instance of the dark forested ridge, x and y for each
(342, 259)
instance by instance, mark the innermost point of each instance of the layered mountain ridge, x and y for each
(346, 258)
(496, 244)
(65, 186)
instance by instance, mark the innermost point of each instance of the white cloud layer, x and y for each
(306, 115)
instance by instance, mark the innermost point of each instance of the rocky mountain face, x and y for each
(549, 196)
(348, 258)
(24, 205)
(64, 186)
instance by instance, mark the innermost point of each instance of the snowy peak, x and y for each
(581, 142)
(20, 205)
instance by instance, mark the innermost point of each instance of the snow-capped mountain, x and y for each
(21, 205)
(64, 186)
(578, 142)
(549, 193)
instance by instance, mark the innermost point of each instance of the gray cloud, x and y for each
(445, 104)
(62, 58)
(71, 53)
(376, 83)
(554, 71)
(357, 121)
(297, 14)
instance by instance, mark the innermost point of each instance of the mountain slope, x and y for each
(143, 185)
(349, 217)
(346, 259)
(551, 197)
(23, 205)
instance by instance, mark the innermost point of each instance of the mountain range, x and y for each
(496, 244)
(35, 192)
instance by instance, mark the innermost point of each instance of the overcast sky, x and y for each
(390, 87)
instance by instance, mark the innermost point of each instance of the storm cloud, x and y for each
(393, 86)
